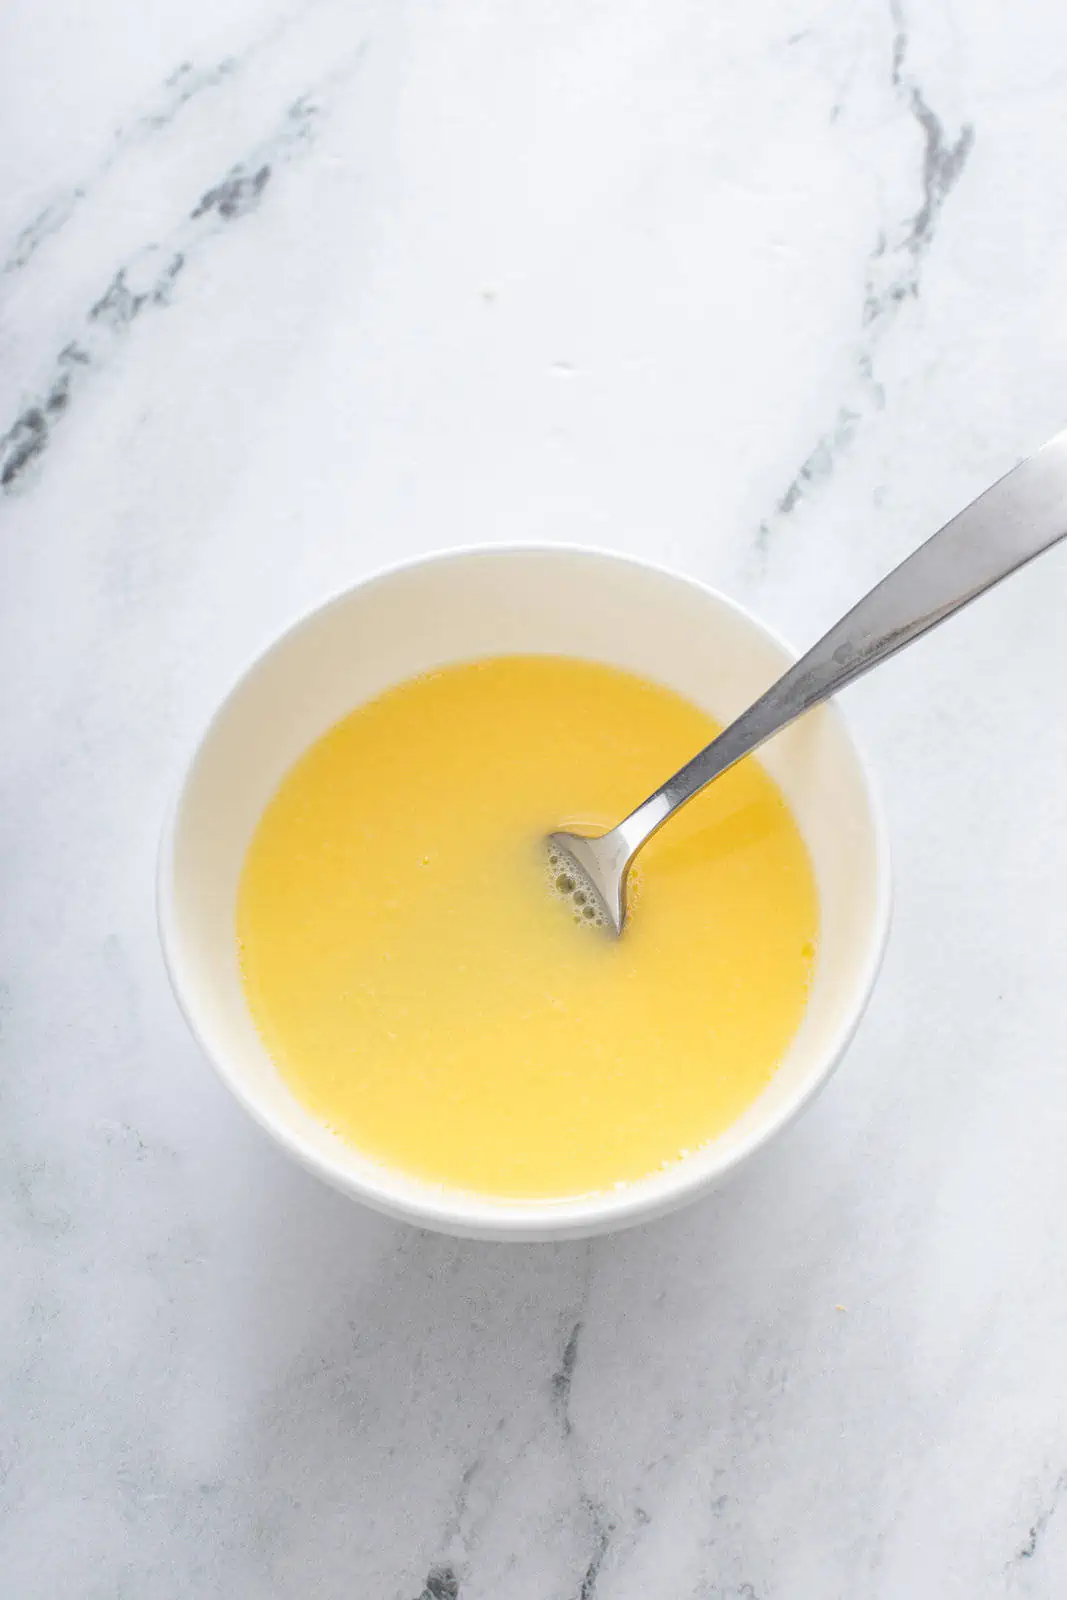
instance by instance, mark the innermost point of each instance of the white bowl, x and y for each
(455, 607)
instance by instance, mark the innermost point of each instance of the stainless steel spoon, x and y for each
(1022, 515)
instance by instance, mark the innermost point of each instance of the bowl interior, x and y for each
(455, 608)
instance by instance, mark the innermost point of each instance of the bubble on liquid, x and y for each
(808, 953)
(576, 892)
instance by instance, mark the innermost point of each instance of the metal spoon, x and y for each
(1022, 515)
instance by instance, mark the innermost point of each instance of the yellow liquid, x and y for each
(425, 994)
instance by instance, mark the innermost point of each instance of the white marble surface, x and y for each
(294, 288)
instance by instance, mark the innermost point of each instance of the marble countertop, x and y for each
(294, 288)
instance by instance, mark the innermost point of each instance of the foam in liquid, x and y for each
(570, 885)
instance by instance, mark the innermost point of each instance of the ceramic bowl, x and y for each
(454, 607)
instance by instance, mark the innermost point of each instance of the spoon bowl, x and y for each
(593, 866)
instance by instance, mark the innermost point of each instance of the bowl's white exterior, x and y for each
(475, 603)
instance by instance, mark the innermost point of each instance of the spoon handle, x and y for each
(1021, 516)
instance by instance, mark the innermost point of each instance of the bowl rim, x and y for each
(471, 1215)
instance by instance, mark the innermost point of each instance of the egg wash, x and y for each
(426, 992)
